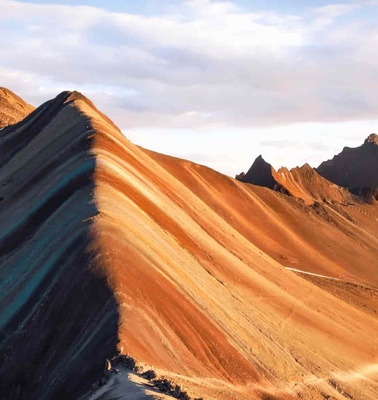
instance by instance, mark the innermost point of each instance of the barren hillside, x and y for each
(107, 245)
(12, 108)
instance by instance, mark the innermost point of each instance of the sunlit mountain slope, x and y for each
(102, 241)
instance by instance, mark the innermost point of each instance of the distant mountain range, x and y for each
(349, 177)
(354, 167)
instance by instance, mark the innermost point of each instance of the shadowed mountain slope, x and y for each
(58, 316)
(354, 167)
(187, 267)
(12, 108)
(260, 174)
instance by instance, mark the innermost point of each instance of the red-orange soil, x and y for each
(197, 263)
(12, 108)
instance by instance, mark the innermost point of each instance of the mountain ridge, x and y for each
(52, 296)
(12, 108)
(303, 183)
(177, 265)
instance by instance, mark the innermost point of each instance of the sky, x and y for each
(215, 82)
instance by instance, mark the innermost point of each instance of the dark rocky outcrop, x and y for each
(259, 174)
(354, 167)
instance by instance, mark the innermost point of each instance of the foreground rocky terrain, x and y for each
(227, 289)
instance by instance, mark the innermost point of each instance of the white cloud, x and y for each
(202, 65)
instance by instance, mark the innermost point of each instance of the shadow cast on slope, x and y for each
(58, 316)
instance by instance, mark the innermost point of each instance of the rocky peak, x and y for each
(354, 167)
(259, 174)
(372, 138)
(12, 108)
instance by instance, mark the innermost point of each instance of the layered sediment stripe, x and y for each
(55, 300)
(16, 137)
(44, 209)
(104, 241)
(168, 226)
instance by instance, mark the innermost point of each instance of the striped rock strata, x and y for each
(106, 245)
